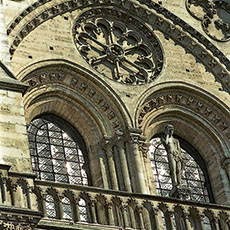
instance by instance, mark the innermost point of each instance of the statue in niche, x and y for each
(174, 155)
(173, 149)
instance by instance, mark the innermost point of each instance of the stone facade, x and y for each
(117, 71)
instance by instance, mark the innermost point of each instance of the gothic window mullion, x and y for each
(62, 139)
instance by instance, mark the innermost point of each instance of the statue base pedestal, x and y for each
(180, 192)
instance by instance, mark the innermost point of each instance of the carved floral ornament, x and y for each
(214, 16)
(190, 102)
(118, 46)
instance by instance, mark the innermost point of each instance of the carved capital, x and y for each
(135, 136)
(107, 144)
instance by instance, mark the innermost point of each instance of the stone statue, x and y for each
(174, 155)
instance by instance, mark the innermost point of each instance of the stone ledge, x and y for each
(9, 82)
(46, 223)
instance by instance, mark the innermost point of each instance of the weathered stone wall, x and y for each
(52, 42)
(13, 136)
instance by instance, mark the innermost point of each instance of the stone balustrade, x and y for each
(18, 204)
(76, 206)
(109, 209)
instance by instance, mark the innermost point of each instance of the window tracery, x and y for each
(108, 41)
(192, 175)
(55, 155)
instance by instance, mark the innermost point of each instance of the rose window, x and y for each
(118, 46)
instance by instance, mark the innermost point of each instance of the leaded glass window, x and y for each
(50, 207)
(67, 210)
(83, 210)
(192, 175)
(55, 155)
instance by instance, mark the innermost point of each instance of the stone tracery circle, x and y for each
(118, 46)
(214, 16)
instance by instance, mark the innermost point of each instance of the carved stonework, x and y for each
(81, 86)
(118, 46)
(186, 101)
(155, 15)
(226, 165)
(12, 226)
(214, 15)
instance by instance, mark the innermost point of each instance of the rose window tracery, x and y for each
(118, 46)
(214, 16)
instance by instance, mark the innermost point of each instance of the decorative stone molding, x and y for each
(14, 226)
(109, 42)
(191, 102)
(226, 165)
(214, 23)
(178, 30)
(83, 87)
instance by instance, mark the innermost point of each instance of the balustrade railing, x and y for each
(107, 209)
(123, 210)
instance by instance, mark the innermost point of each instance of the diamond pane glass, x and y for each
(67, 210)
(55, 155)
(83, 210)
(192, 176)
(50, 207)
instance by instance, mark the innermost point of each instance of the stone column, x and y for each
(124, 164)
(171, 225)
(4, 169)
(108, 146)
(187, 222)
(135, 137)
(132, 217)
(93, 209)
(156, 218)
(124, 209)
(140, 212)
(43, 197)
(60, 207)
(103, 166)
(216, 222)
(110, 213)
(77, 217)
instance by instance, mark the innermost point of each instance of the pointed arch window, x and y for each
(57, 151)
(194, 174)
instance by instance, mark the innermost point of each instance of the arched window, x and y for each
(57, 151)
(194, 174)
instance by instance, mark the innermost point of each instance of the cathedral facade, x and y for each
(115, 114)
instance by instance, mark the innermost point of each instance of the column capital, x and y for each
(107, 144)
(135, 135)
(119, 139)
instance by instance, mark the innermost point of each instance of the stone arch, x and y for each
(79, 99)
(198, 118)
(152, 13)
